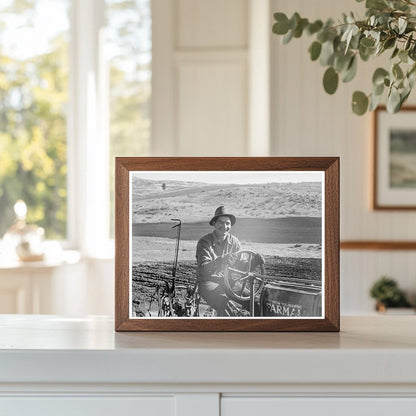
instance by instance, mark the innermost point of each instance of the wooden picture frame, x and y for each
(394, 159)
(149, 194)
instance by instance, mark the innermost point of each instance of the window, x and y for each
(129, 46)
(33, 97)
(75, 87)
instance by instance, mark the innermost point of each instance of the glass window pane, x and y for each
(33, 102)
(129, 53)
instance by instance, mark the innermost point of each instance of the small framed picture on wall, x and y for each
(394, 159)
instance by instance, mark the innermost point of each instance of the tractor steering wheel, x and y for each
(246, 270)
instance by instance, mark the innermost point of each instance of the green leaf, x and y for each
(411, 76)
(404, 95)
(408, 42)
(351, 71)
(330, 80)
(394, 26)
(375, 34)
(376, 4)
(395, 52)
(412, 52)
(359, 103)
(400, 5)
(403, 56)
(389, 43)
(314, 27)
(337, 42)
(366, 53)
(288, 37)
(367, 42)
(412, 70)
(402, 24)
(382, 19)
(393, 101)
(379, 75)
(397, 71)
(378, 89)
(298, 30)
(322, 36)
(294, 20)
(374, 101)
(281, 27)
(332, 33)
(327, 53)
(355, 41)
(315, 50)
(348, 34)
(341, 61)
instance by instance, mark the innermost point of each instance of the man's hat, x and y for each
(222, 212)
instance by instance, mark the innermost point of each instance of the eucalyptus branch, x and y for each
(388, 26)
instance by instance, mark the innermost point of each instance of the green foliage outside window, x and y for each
(129, 38)
(33, 97)
(34, 102)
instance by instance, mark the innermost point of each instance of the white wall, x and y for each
(308, 122)
(203, 83)
(211, 63)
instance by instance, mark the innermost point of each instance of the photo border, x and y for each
(125, 165)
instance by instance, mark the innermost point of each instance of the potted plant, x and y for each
(387, 294)
(389, 27)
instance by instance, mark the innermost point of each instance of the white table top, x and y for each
(53, 332)
(373, 349)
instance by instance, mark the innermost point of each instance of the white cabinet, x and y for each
(65, 285)
(323, 406)
(39, 287)
(80, 366)
(88, 406)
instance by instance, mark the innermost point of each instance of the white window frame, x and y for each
(88, 137)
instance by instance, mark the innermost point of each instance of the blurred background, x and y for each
(83, 81)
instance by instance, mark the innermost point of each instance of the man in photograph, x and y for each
(214, 252)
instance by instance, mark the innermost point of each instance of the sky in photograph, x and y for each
(233, 177)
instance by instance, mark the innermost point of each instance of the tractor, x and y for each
(250, 291)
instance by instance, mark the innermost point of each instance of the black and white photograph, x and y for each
(226, 244)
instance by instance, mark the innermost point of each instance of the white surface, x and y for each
(47, 349)
(88, 188)
(200, 404)
(88, 406)
(200, 78)
(66, 286)
(322, 407)
(259, 78)
(196, 31)
(53, 260)
(68, 366)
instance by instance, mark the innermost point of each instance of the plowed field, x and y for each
(147, 275)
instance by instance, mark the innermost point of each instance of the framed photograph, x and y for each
(394, 180)
(227, 244)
